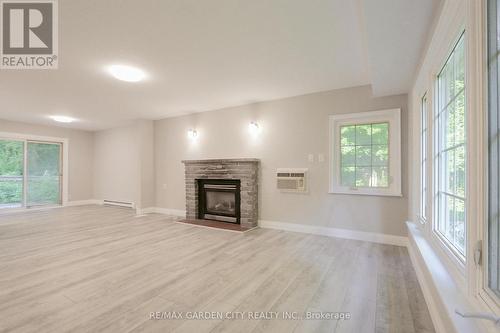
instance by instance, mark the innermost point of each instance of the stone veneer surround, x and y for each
(244, 169)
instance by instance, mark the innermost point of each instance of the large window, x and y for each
(493, 258)
(30, 173)
(450, 149)
(366, 153)
(423, 159)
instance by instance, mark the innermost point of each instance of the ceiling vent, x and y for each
(291, 180)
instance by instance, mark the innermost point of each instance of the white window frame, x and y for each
(457, 258)
(481, 166)
(391, 116)
(424, 158)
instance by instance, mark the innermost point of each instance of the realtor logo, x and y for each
(29, 34)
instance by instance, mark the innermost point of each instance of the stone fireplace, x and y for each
(224, 190)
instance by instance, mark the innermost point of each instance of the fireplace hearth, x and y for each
(219, 200)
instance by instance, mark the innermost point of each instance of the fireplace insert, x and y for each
(219, 200)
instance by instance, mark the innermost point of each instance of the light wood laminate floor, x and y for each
(101, 269)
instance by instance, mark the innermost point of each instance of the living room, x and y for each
(270, 166)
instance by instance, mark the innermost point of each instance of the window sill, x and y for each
(442, 292)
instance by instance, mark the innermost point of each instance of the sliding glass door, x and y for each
(11, 173)
(43, 185)
(30, 173)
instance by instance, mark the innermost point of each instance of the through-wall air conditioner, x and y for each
(291, 180)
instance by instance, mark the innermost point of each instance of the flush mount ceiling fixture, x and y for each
(126, 73)
(62, 119)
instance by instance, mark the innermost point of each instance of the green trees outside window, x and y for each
(365, 155)
(11, 173)
(451, 137)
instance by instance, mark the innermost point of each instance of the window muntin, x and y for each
(365, 155)
(423, 159)
(451, 162)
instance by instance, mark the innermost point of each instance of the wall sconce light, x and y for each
(253, 127)
(192, 134)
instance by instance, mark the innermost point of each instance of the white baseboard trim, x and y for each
(83, 202)
(142, 211)
(160, 210)
(336, 232)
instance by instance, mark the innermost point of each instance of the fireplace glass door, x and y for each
(219, 199)
(221, 202)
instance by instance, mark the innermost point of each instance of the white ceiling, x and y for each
(205, 55)
(397, 32)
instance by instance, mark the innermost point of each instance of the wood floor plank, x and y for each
(361, 294)
(422, 321)
(329, 297)
(393, 312)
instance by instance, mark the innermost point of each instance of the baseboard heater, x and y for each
(119, 203)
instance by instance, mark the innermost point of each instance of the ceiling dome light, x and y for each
(62, 119)
(127, 73)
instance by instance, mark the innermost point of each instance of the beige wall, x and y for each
(291, 129)
(124, 164)
(116, 167)
(81, 146)
(147, 158)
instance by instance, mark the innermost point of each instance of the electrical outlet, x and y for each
(311, 158)
(321, 158)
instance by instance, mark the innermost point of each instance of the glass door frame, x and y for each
(64, 156)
